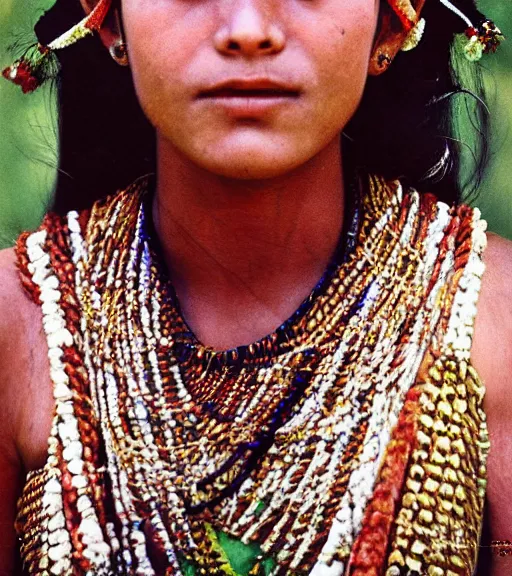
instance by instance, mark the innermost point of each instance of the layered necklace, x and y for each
(294, 443)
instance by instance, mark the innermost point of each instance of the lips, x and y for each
(241, 93)
(256, 88)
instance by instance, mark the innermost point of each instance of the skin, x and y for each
(248, 209)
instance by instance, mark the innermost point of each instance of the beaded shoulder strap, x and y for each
(427, 508)
(72, 477)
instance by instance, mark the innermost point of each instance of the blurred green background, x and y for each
(28, 137)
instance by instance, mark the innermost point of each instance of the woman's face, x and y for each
(249, 88)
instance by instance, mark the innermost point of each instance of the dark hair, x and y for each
(403, 127)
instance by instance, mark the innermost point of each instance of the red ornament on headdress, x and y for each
(405, 12)
(39, 63)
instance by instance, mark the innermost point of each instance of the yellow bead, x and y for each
(442, 518)
(460, 493)
(460, 405)
(484, 445)
(417, 472)
(431, 485)
(448, 392)
(449, 376)
(461, 390)
(438, 458)
(425, 500)
(444, 408)
(440, 426)
(433, 470)
(443, 443)
(426, 516)
(423, 439)
(454, 460)
(409, 500)
(420, 454)
(413, 564)
(463, 370)
(396, 557)
(431, 390)
(450, 475)
(459, 446)
(413, 485)
(426, 420)
(418, 547)
(457, 561)
(405, 516)
(435, 374)
(456, 418)
(446, 490)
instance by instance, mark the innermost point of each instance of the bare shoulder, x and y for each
(492, 357)
(492, 346)
(11, 465)
(26, 403)
(25, 391)
(498, 276)
(13, 307)
(8, 275)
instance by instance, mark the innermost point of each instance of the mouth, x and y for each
(241, 93)
(254, 99)
(250, 89)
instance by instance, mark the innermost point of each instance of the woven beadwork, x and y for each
(350, 441)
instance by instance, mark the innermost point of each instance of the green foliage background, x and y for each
(28, 138)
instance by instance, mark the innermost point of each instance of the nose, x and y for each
(250, 28)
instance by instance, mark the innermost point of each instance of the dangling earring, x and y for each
(119, 52)
(39, 63)
(383, 61)
(414, 36)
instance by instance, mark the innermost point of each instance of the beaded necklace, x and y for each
(346, 442)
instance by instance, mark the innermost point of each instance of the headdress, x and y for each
(39, 62)
(480, 36)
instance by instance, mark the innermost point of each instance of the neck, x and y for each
(243, 255)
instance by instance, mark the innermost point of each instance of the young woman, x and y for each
(263, 358)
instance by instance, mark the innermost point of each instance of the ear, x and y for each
(394, 26)
(111, 33)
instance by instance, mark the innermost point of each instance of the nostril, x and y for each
(265, 45)
(232, 45)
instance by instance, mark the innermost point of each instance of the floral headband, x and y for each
(39, 63)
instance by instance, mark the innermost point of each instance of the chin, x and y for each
(247, 161)
(250, 168)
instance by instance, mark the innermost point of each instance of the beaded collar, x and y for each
(355, 444)
(278, 341)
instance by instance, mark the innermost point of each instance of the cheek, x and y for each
(342, 55)
(159, 52)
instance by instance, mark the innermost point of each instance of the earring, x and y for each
(119, 52)
(383, 61)
(414, 36)
(39, 63)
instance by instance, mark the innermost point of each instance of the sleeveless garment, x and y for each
(351, 441)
